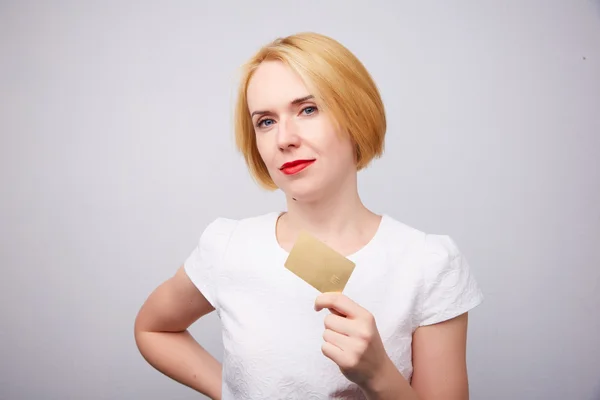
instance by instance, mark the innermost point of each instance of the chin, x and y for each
(304, 190)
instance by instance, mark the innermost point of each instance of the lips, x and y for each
(293, 167)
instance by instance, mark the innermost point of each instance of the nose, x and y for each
(287, 134)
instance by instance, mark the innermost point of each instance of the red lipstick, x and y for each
(293, 167)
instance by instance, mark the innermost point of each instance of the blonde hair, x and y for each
(341, 85)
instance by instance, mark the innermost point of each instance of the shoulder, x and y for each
(224, 228)
(399, 235)
(441, 247)
(446, 285)
(435, 257)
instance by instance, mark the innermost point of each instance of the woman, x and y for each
(308, 118)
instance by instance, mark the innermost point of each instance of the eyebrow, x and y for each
(293, 103)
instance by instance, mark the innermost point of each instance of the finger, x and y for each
(337, 339)
(340, 324)
(338, 302)
(332, 352)
(336, 313)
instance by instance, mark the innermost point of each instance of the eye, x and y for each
(309, 110)
(265, 122)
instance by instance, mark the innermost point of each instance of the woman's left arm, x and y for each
(352, 341)
(439, 366)
(439, 360)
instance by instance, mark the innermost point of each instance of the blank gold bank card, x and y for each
(319, 265)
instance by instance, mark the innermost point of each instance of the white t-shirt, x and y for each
(272, 336)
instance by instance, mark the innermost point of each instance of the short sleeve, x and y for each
(449, 288)
(203, 264)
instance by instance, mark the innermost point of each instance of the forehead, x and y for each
(274, 85)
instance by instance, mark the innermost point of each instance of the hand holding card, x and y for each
(351, 337)
(352, 341)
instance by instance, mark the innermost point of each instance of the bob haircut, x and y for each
(341, 85)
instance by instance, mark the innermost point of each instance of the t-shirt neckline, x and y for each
(273, 229)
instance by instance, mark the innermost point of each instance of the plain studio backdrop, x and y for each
(116, 151)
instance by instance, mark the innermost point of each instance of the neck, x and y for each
(337, 213)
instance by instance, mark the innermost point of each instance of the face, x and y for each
(305, 155)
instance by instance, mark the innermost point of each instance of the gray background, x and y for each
(116, 150)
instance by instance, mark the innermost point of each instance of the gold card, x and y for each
(318, 264)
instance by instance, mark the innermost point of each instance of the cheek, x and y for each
(322, 136)
(265, 150)
(341, 148)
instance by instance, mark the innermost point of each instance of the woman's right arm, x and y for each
(163, 340)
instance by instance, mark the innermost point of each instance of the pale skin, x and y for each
(323, 200)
